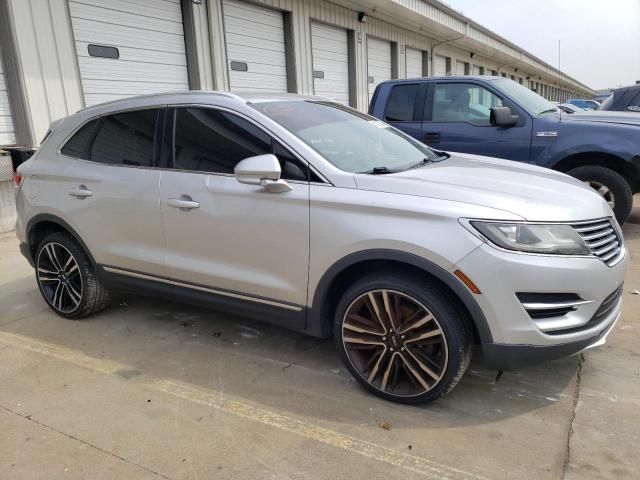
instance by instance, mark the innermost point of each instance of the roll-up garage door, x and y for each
(413, 58)
(440, 66)
(255, 47)
(128, 47)
(460, 68)
(7, 134)
(476, 70)
(378, 62)
(330, 52)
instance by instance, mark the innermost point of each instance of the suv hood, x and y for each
(605, 116)
(534, 193)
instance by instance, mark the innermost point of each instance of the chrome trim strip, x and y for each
(203, 289)
(552, 306)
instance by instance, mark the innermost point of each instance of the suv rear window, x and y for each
(120, 139)
(401, 104)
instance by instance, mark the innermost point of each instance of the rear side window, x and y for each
(121, 139)
(402, 103)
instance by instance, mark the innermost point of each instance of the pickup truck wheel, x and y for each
(611, 185)
(402, 338)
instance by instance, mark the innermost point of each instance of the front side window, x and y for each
(121, 139)
(402, 103)
(463, 102)
(215, 141)
(526, 98)
(350, 140)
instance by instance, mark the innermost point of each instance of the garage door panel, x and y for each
(440, 66)
(149, 37)
(166, 9)
(255, 35)
(139, 21)
(413, 58)
(330, 55)
(86, 31)
(378, 62)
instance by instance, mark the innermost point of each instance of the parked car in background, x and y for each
(584, 103)
(308, 214)
(569, 108)
(497, 117)
(625, 99)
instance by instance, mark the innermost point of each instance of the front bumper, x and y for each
(512, 357)
(517, 338)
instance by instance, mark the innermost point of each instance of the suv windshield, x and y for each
(350, 140)
(528, 99)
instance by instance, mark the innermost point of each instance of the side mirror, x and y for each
(263, 170)
(502, 117)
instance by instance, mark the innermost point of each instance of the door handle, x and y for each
(432, 137)
(185, 202)
(80, 192)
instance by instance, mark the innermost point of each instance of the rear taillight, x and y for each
(18, 179)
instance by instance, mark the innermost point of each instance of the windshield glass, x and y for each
(528, 99)
(350, 140)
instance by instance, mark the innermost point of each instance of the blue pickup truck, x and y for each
(497, 117)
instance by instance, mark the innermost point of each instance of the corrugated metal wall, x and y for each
(7, 132)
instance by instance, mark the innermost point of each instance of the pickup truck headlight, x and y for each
(533, 238)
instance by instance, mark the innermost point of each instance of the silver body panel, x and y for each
(276, 247)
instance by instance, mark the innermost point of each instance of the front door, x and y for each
(457, 120)
(233, 240)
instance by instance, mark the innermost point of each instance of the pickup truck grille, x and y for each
(602, 237)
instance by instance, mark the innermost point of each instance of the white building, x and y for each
(59, 56)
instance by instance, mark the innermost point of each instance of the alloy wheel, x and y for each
(59, 277)
(394, 343)
(603, 190)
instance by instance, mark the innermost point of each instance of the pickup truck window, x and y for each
(463, 102)
(531, 101)
(402, 103)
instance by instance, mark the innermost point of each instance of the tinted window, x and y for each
(634, 103)
(210, 140)
(125, 139)
(292, 168)
(460, 102)
(401, 103)
(79, 145)
(120, 139)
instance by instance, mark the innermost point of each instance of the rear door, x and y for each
(234, 240)
(457, 119)
(112, 194)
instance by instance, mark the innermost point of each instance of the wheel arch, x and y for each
(630, 170)
(43, 224)
(345, 270)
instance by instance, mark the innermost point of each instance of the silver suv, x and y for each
(310, 215)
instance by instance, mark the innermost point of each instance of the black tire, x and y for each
(67, 279)
(622, 195)
(447, 315)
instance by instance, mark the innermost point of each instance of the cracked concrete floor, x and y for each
(153, 389)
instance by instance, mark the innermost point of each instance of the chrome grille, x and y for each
(602, 237)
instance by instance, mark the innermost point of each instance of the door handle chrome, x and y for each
(185, 202)
(80, 192)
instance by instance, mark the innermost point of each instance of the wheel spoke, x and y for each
(59, 277)
(57, 294)
(74, 295)
(49, 279)
(374, 305)
(376, 367)
(424, 336)
(414, 373)
(358, 329)
(385, 376)
(426, 369)
(387, 307)
(44, 270)
(54, 257)
(423, 321)
(68, 262)
(362, 341)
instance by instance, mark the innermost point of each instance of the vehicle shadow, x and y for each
(271, 367)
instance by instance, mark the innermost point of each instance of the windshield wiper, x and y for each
(550, 110)
(378, 171)
(421, 163)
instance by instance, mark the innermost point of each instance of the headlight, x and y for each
(534, 238)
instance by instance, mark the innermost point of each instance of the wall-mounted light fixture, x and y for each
(362, 17)
(472, 54)
(516, 70)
